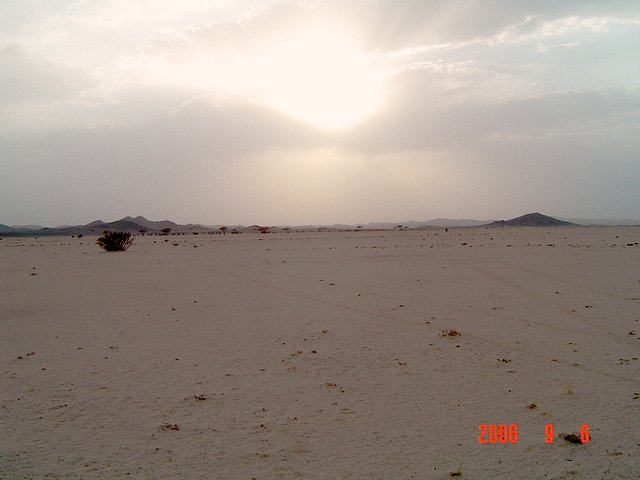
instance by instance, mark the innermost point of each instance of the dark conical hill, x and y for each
(531, 220)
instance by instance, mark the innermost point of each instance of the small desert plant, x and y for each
(450, 333)
(169, 426)
(115, 241)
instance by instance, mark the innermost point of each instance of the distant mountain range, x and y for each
(140, 224)
(127, 224)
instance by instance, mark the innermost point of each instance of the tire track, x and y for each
(578, 316)
(527, 351)
(575, 284)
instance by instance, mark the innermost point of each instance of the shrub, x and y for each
(450, 333)
(115, 241)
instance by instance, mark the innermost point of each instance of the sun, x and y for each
(320, 78)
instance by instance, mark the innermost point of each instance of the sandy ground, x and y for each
(320, 355)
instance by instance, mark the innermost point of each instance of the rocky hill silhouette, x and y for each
(531, 220)
(127, 224)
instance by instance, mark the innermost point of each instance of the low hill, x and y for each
(604, 221)
(531, 220)
(151, 225)
(26, 227)
(94, 224)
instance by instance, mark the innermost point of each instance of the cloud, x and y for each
(30, 79)
(134, 99)
(97, 52)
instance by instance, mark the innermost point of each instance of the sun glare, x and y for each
(319, 77)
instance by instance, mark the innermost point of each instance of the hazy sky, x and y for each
(345, 111)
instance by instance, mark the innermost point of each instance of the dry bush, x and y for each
(450, 333)
(115, 241)
(169, 426)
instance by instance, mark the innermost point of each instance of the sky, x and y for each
(318, 112)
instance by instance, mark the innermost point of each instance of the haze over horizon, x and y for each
(318, 112)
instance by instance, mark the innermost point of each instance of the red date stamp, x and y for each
(510, 433)
(503, 433)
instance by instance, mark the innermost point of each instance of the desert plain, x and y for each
(322, 355)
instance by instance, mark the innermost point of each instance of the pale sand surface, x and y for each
(320, 355)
